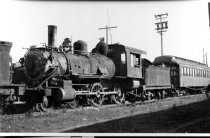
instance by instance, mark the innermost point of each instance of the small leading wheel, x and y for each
(73, 104)
(120, 97)
(1, 106)
(46, 105)
(98, 98)
(11, 109)
(37, 107)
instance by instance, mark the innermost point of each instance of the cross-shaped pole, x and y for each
(107, 28)
(161, 27)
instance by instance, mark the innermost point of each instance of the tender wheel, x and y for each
(98, 98)
(131, 98)
(46, 105)
(208, 92)
(119, 98)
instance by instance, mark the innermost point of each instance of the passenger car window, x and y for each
(184, 71)
(194, 72)
(187, 71)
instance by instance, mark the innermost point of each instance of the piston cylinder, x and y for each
(61, 94)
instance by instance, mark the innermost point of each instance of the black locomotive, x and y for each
(49, 76)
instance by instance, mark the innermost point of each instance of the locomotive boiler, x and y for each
(41, 63)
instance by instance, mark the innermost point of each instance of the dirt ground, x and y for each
(192, 118)
(164, 116)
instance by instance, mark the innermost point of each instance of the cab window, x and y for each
(123, 58)
(135, 60)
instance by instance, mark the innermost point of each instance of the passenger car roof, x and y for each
(168, 59)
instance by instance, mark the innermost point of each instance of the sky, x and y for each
(24, 23)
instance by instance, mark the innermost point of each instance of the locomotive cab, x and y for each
(127, 60)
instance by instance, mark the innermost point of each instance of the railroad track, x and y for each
(81, 108)
(68, 119)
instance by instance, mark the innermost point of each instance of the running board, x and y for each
(94, 93)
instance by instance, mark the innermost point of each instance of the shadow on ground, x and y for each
(172, 120)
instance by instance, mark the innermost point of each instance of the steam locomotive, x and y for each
(48, 76)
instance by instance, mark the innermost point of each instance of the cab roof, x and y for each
(126, 48)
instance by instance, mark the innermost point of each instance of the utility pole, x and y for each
(205, 57)
(161, 27)
(107, 31)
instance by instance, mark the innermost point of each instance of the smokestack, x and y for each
(52, 35)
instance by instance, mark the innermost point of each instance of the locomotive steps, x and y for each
(71, 120)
